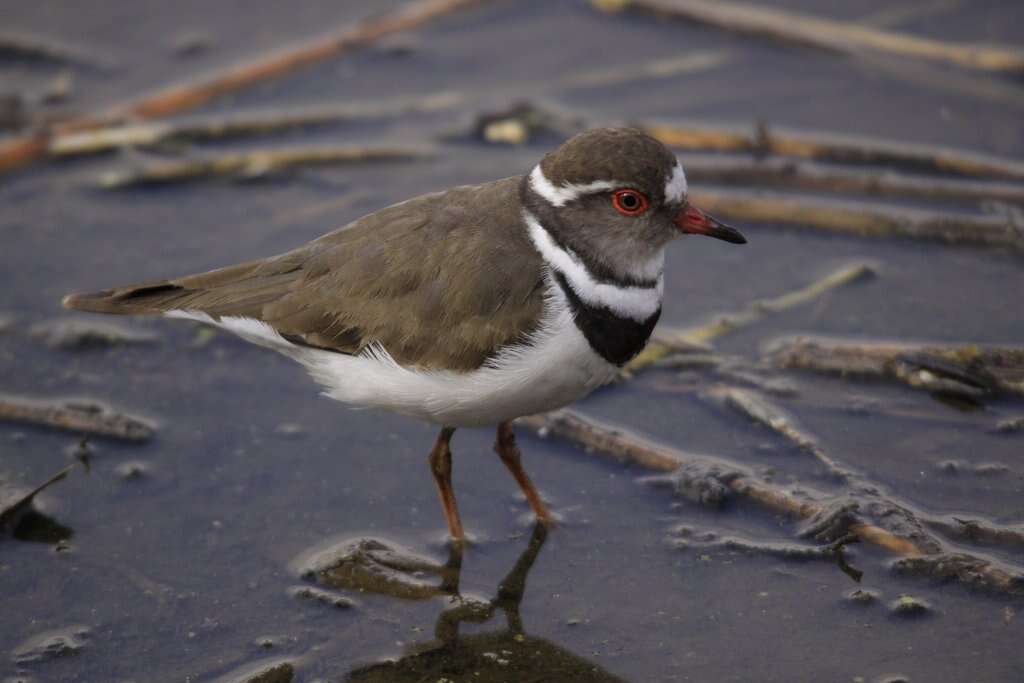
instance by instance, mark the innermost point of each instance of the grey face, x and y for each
(612, 208)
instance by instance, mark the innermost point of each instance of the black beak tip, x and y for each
(731, 235)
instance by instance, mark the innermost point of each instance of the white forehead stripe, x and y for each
(635, 303)
(563, 194)
(675, 187)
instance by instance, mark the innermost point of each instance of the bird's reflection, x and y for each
(506, 653)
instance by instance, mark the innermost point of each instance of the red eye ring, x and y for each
(629, 202)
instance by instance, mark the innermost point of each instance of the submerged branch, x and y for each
(864, 219)
(254, 164)
(83, 418)
(666, 341)
(711, 480)
(828, 34)
(832, 147)
(964, 369)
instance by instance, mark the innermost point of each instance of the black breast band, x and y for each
(614, 338)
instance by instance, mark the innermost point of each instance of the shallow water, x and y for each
(185, 571)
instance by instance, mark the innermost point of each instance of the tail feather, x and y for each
(236, 290)
(145, 299)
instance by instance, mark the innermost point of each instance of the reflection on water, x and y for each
(506, 653)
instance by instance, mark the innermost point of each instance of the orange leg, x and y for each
(441, 468)
(505, 446)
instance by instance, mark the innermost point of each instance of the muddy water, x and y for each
(181, 560)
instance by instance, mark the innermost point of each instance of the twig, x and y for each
(965, 369)
(832, 35)
(792, 173)
(84, 418)
(707, 472)
(666, 341)
(244, 124)
(862, 218)
(831, 552)
(762, 141)
(760, 411)
(25, 149)
(25, 46)
(254, 164)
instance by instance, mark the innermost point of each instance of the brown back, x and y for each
(444, 280)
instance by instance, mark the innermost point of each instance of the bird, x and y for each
(467, 307)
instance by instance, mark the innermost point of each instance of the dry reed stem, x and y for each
(866, 219)
(821, 146)
(828, 34)
(794, 173)
(253, 164)
(21, 150)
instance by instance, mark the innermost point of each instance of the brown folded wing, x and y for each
(441, 281)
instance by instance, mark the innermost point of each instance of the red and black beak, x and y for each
(693, 221)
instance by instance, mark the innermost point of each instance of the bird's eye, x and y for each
(629, 202)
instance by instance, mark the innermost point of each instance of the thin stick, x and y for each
(25, 149)
(244, 124)
(757, 409)
(792, 173)
(832, 35)
(761, 141)
(862, 218)
(254, 164)
(626, 448)
(667, 341)
(75, 417)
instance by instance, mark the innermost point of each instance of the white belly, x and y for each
(557, 368)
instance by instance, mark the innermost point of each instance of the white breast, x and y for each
(556, 368)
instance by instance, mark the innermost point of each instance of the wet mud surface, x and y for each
(188, 553)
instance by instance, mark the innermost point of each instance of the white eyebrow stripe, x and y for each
(676, 186)
(635, 303)
(563, 194)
